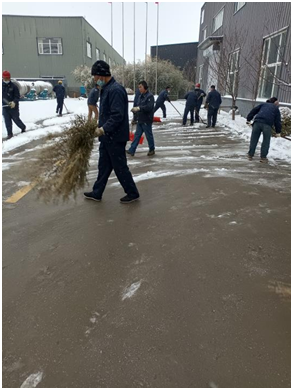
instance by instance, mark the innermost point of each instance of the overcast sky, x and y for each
(178, 22)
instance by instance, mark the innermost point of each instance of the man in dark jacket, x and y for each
(214, 101)
(113, 133)
(10, 101)
(135, 101)
(200, 94)
(92, 103)
(266, 115)
(144, 113)
(160, 102)
(191, 100)
(60, 95)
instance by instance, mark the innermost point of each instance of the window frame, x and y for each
(98, 51)
(213, 23)
(234, 71)
(238, 9)
(204, 31)
(202, 16)
(276, 66)
(40, 46)
(89, 45)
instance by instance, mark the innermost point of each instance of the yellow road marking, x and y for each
(20, 193)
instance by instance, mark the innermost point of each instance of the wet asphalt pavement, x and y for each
(187, 287)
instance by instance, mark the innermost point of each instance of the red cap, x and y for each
(6, 73)
(197, 85)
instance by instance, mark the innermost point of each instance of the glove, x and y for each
(133, 122)
(99, 131)
(248, 123)
(201, 95)
(11, 104)
(135, 109)
(278, 134)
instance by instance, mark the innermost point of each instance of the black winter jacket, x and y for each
(10, 93)
(59, 91)
(214, 99)
(114, 112)
(163, 96)
(267, 113)
(200, 94)
(146, 104)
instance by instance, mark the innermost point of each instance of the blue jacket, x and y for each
(267, 113)
(146, 104)
(10, 93)
(163, 96)
(59, 90)
(113, 115)
(214, 99)
(191, 99)
(93, 96)
(199, 92)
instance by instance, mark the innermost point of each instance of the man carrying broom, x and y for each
(113, 133)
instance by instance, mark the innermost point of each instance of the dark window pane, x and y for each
(274, 48)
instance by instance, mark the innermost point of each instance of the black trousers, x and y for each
(12, 114)
(212, 116)
(186, 111)
(59, 105)
(162, 106)
(112, 156)
(196, 111)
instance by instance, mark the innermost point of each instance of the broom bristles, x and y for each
(62, 167)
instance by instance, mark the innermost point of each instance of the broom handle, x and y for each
(65, 107)
(175, 109)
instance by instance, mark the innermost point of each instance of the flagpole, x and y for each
(146, 40)
(156, 87)
(134, 47)
(112, 24)
(123, 43)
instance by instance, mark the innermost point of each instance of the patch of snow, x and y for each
(130, 291)
(33, 380)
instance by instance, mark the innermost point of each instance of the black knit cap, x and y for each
(101, 68)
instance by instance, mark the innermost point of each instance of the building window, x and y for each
(97, 54)
(110, 62)
(237, 6)
(218, 20)
(49, 46)
(89, 49)
(105, 58)
(202, 16)
(233, 72)
(272, 58)
(200, 74)
(204, 33)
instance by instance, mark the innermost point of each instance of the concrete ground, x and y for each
(187, 287)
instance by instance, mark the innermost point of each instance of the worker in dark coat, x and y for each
(191, 100)
(160, 102)
(60, 95)
(92, 103)
(200, 94)
(213, 101)
(266, 115)
(144, 111)
(10, 103)
(113, 133)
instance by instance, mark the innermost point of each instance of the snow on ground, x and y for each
(40, 118)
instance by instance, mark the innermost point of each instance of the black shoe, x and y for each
(249, 157)
(128, 199)
(9, 136)
(91, 196)
(128, 152)
(264, 160)
(23, 131)
(213, 126)
(151, 153)
(208, 126)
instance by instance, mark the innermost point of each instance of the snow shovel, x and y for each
(65, 108)
(131, 136)
(156, 119)
(175, 109)
(199, 117)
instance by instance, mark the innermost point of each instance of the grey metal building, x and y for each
(179, 53)
(43, 47)
(255, 40)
